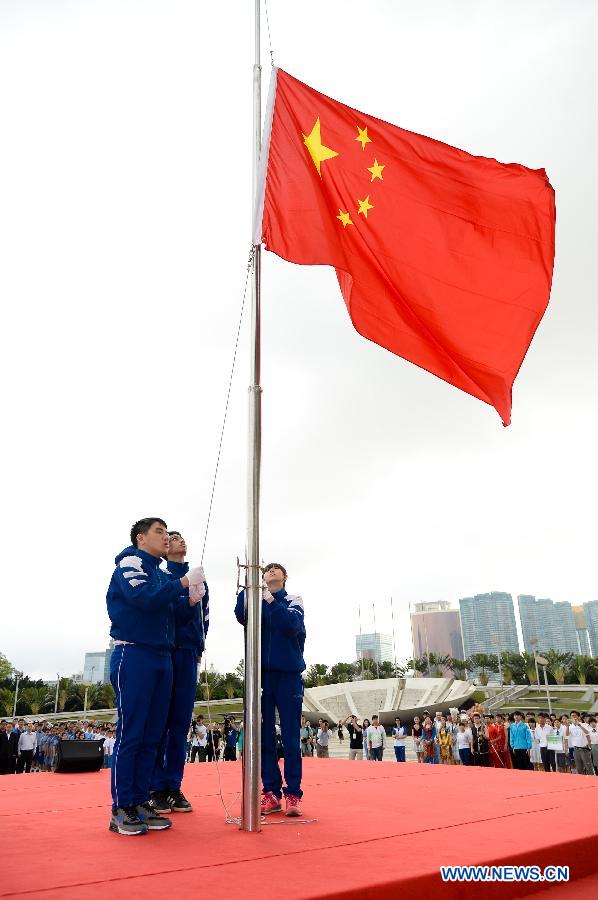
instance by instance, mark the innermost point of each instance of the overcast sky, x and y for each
(125, 174)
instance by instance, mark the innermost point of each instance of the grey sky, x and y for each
(125, 170)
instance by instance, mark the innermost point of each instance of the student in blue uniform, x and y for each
(283, 640)
(142, 599)
(189, 643)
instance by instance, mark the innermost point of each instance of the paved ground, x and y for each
(340, 749)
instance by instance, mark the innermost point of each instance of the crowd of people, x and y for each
(33, 746)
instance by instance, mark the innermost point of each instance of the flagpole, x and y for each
(250, 812)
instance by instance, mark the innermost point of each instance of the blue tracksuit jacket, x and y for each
(283, 632)
(143, 600)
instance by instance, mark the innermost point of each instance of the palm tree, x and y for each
(386, 669)
(231, 685)
(459, 667)
(438, 664)
(483, 663)
(418, 664)
(316, 675)
(558, 663)
(513, 667)
(529, 667)
(100, 696)
(36, 697)
(7, 699)
(581, 666)
(205, 689)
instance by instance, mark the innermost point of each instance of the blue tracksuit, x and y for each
(283, 640)
(142, 602)
(190, 635)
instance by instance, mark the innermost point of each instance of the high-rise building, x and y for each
(374, 646)
(591, 615)
(488, 623)
(547, 626)
(107, 658)
(436, 628)
(93, 667)
(581, 626)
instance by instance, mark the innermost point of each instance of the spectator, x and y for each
(594, 742)
(364, 731)
(26, 747)
(199, 742)
(305, 737)
(340, 733)
(429, 741)
(9, 743)
(213, 745)
(578, 736)
(535, 756)
(520, 739)
(544, 730)
(398, 733)
(376, 738)
(445, 745)
(479, 741)
(417, 734)
(355, 737)
(562, 752)
(322, 741)
(463, 744)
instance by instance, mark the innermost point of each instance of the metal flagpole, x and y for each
(250, 813)
(394, 644)
(360, 639)
(375, 636)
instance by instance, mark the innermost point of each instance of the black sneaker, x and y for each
(151, 819)
(178, 802)
(160, 801)
(126, 821)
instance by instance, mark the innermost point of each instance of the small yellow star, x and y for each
(376, 171)
(317, 151)
(362, 137)
(345, 218)
(364, 205)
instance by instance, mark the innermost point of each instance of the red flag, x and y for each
(442, 257)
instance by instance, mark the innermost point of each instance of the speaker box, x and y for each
(80, 756)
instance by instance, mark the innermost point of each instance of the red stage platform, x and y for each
(382, 830)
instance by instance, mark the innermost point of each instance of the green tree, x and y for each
(35, 697)
(342, 672)
(438, 665)
(100, 696)
(483, 663)
(580, 668)
(7, 699)
(529, 667)
(207, 685)
(316, 675)
(459, 667)
(558, 664)
(6, 667)
(230, 685)
(240, 670)
(513, 667)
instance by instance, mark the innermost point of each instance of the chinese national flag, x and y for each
(442, 257)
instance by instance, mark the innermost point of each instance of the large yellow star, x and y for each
(376, 171)
(364, 205)
(362, 137)
(317, 151)
(345, 218)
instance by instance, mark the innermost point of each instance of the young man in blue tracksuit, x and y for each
(142, 599)
(189, 643)
(283, 640)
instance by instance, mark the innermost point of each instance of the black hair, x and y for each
(576, 711)
(276, 566)
(518, 713)
(143, 526)
(170, 533)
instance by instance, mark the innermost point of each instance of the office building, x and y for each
(547, 626)
(374, 646)
(107, 658)
(488, 623)
(436, 628)
(583, 636)
(93, 667)
(591, 616)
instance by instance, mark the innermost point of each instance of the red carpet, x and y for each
(381, 831)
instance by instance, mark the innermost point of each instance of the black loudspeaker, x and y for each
(80, 756)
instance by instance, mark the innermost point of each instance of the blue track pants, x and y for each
(282, 691)
(142, 682)
(172, 751)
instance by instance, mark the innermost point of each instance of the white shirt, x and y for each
(398, 735)
(542, 732)
(578, 736)
(323, 737)
(463, 738)
(200, 738)
(27, 741)
(376, 735)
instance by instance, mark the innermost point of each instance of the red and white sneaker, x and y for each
(270, 803)
(293, 805)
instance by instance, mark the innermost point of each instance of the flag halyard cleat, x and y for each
(126, 821)
(270, 803)
(152, 819)
(293, 806)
